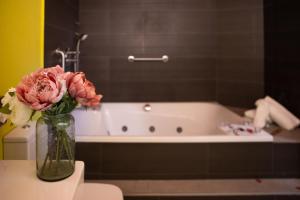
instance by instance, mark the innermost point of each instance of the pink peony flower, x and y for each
(41, 89)
(82, 89)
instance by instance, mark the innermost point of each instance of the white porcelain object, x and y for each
(98, 191)
(199, 122)
(194, 122)
(89, 121)
(19, 144)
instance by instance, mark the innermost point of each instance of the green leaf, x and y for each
(35, 115)
(65, 105)
(32, 114)
(11, 94)
(5, 109)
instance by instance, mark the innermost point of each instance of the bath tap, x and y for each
(69, 56)
(73, 56)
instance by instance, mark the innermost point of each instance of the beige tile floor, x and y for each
(207, 187)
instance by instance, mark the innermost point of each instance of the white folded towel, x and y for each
(250, 113)
(262, 114)
(269, 110)
(281, 115)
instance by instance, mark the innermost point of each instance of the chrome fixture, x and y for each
(147, 107)
(81, 37)
(164, 59)
(69, 56)
(73, 56)
(63, 57)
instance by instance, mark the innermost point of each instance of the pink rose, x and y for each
(57, 70)
(43, 88)
(82, 89)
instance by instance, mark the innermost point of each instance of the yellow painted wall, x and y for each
(21, 44)
(21, 40)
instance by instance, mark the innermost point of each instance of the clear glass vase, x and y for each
(55, 146)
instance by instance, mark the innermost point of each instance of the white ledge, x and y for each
(175, 139)
(18, 180)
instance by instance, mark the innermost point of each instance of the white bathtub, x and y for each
(163, 123)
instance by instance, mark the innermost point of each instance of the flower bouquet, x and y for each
(54, 93)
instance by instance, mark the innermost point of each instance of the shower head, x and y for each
(83, 37)
(80, 37)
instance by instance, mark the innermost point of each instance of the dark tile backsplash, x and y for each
(211, 44)
(282, 52)
(241, 160)
(189, 161)
(230, 51)
(156, 160)
(228, 91)
(215, 197)
(61, 23)
(287, 160)
(240, 69)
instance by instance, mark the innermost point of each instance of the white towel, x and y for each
(250, 113)
(262, 114)
(281, 115)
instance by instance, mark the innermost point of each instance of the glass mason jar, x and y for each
(55, 146)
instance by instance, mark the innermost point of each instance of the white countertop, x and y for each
(99, 191)
(18, 180)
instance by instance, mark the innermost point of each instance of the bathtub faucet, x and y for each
(147, 107)
(71, 56)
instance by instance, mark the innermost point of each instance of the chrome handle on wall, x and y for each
(63, 57)
(164, 59)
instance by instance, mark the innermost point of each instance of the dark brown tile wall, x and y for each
(282, 46)
(241, 160)
(134, 161)
(211, 44)
(287, 160)
(189, 161)
(216, 197)
(240, 71)
(155, 160)
(92, 155)
(61, 23)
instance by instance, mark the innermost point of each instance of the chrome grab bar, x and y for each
(63, 57)
(164, 59)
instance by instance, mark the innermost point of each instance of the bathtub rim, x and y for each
(266, 137)
(104, 138)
